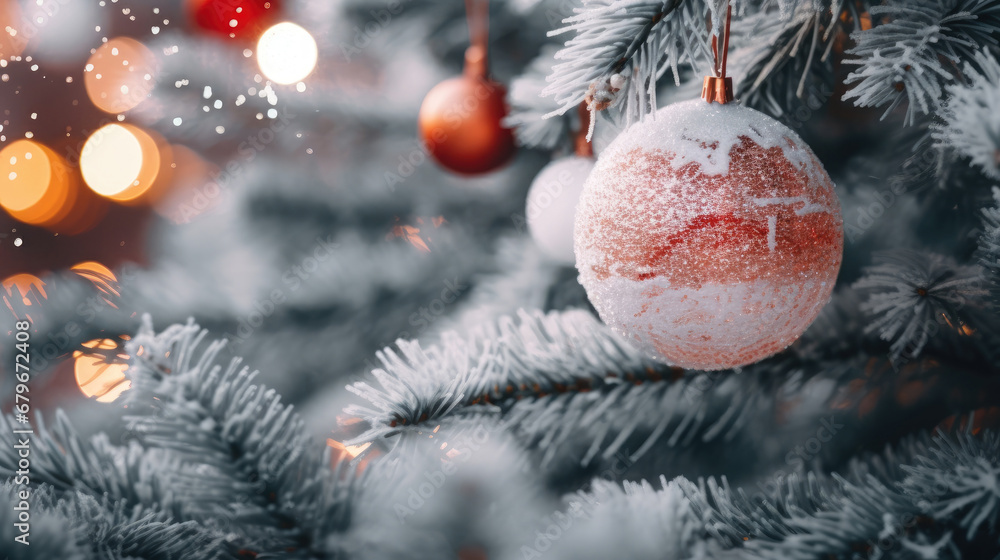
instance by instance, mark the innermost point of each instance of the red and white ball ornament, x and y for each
(551, 205)
(709, 236)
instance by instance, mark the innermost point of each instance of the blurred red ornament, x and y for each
(234, 18)
(460, 119)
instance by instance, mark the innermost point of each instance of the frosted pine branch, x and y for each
(869, 507)
(621, 47)
(528, 107)
(970, 119)
(913, 296)
(544, 353)
(989, 243)
(918, 51)
(780, 62)
(255, 462)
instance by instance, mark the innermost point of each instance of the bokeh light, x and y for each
(98, 377)
(123, 162)
(286, 53)
(119, 75)
(182, 198)
(233, 18)
(102, 278)
(21, 286)
(12, 41)
(36, 184)
(62, 33)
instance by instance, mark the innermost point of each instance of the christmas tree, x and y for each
(733, 295)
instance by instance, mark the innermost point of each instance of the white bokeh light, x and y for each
(286, 53)
(111, 160)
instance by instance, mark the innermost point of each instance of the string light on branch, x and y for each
(709, 236)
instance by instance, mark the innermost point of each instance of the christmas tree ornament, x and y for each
(460, 119)
(554, 194)
(709, 236)
(234, 18)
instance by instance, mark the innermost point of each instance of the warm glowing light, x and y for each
(351, 450)
(119, 75)
(96, 376)
(25, 284)
(102, 278)
(12, 41)
(120, 162)
(413, 234)
(36, 185)
(286, 53)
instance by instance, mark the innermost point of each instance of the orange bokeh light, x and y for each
(119, 75)
(23, 283)
(102, 278)
(96, 377)
(12, 41)
(126, 163)
(36, 184)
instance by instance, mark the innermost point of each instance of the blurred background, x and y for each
(256, 166)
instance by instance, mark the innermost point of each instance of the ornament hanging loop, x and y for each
(719, 87)
(477, 13)
(581, 145)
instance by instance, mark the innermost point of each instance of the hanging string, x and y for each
(477, 13)
(725, 46)
(581, 140)
(718, 86)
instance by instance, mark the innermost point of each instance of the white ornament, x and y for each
(551, 205)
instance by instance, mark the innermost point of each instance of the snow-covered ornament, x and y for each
(460, 119)
(554, 194)
(710, 235)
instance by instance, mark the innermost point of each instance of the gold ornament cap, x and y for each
(717, 89)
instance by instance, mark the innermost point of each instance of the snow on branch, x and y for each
(918, 51)
(913, 296)
(528, 107)
(949, 481)
(254, 459)
(621, 47)
(537, 354)
(781, 62)
(970, 120)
